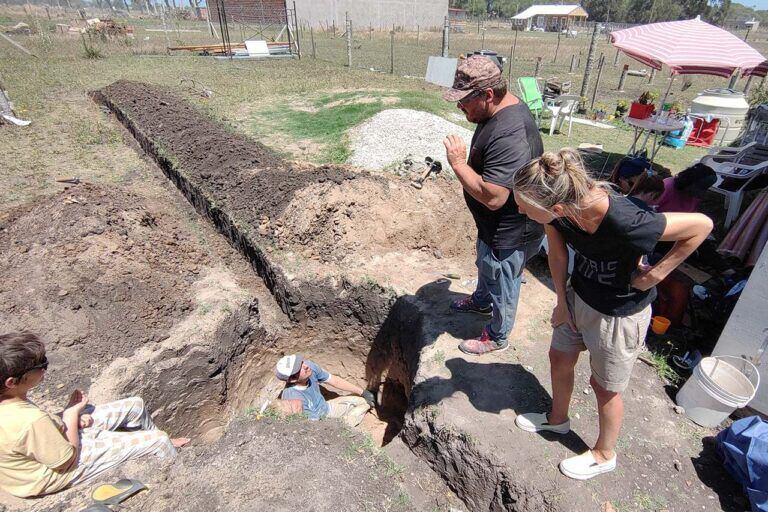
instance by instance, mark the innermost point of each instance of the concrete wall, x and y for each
(377, 13)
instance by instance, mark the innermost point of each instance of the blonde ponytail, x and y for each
(555, 178)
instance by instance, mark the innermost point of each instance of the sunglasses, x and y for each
(43, 365)
(463, 101)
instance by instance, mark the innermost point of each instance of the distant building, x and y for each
(549, 17)
(457, 14)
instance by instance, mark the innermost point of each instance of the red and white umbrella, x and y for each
(689, 47)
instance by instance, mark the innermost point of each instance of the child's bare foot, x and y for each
(180, 441)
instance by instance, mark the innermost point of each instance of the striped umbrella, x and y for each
(689, 47)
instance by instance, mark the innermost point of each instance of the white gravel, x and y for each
(391, 135)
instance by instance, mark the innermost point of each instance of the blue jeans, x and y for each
(499, 275)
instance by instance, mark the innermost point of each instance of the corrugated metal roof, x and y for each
(546, 10)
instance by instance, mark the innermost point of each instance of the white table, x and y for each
(651, 126)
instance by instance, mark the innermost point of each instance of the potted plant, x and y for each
(643, 107)
(622, 106)
(677, 107)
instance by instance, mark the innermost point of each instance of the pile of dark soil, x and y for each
(96, 274)
(325, 213)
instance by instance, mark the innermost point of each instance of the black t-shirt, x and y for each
(500, 146)
(606, 260)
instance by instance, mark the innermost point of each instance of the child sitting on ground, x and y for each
(41, 453)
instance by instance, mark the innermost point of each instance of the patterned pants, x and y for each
(102, 447)
(349, 408)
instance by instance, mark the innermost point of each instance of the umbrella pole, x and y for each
(669, 88)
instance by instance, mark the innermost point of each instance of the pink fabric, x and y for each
(748, 233)
(689, 47)
(672, 200)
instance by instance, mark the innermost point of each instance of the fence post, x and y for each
(312, 38)
(418, 33)
(652, 75)
(557, 48)
(370, 32)
(573, 64)
(748, 85)
(538, 67)
(623, 77)
(348, 27)
(392, 51)
(446, 28)
(734, 79)
(590, 58)
(597, 81)
(482, 40)
(616, 58)
(478, 25)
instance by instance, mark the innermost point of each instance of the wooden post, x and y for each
(312, 38)
(573, 63)
(590, 59)
(557, 48)
(478, 25)
(623, 77)
(392, 51)
(446, 28)
(348, 29)
(482, 40)
(511, 59)
(538, 67)
(652, 75)
(597, 81)
(734, 79)
(370, 32)
(418, 33)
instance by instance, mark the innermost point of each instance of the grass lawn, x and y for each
(301, 108)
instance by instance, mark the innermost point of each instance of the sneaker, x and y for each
(584, 466)
(483, 345)
(537, 422)
(467, 305)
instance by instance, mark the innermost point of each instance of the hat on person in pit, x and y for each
(474, 73)
(288, 366)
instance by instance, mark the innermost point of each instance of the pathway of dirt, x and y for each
(461, 409)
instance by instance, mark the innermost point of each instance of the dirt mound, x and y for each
(326, 213)
(96, 274)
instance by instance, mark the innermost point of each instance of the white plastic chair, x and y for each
(561, 108)
(736, 168)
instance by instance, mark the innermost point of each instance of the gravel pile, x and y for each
(391, 135)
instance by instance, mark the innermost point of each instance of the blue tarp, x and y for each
(744, 447)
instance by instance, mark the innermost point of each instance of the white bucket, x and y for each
(718, 386)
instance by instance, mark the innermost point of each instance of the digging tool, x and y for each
(71, 181)
(433, 166)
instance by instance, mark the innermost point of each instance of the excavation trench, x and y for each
(352, 326)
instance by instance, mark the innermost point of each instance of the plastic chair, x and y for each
(531, 94)
(737, 169)
(561, 108)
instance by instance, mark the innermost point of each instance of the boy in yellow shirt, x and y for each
(41, 453)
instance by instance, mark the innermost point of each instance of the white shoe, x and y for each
(537, 422)
(584, 466)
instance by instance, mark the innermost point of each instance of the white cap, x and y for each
(288, 366)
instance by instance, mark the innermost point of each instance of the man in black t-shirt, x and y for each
(506, 138)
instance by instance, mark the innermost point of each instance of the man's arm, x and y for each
(491, 195)
(344, 385)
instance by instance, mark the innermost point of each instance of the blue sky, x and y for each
(760, 4)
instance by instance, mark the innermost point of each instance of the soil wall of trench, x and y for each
(232, 181)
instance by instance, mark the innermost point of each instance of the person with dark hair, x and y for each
(628, 172)
(506, 138)
(684, 192)
(41, 453)
(648, 190)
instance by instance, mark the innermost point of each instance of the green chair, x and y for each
(531, 95)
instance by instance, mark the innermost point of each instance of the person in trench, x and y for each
(506, 138)
(302, 393)
(605, 307)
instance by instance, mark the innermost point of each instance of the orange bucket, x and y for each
(660, 324)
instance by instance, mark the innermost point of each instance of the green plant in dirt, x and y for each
(649, 502)
(90, 51)
(662, 366)
(648, 98)
(759, 95)
(403, 500)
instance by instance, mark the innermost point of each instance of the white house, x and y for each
(549, 17)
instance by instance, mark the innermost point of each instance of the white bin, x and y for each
(718, 386)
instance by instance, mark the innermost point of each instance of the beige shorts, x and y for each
(613, 342)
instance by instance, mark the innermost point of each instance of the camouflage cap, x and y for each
(473, 74)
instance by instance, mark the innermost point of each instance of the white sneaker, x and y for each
(537, 422)
(584, 466)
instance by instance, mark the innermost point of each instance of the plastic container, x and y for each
(660, 324)
(729, 106)
(640, 111)
(718, 386)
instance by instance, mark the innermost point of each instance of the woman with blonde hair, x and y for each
(605, 307)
